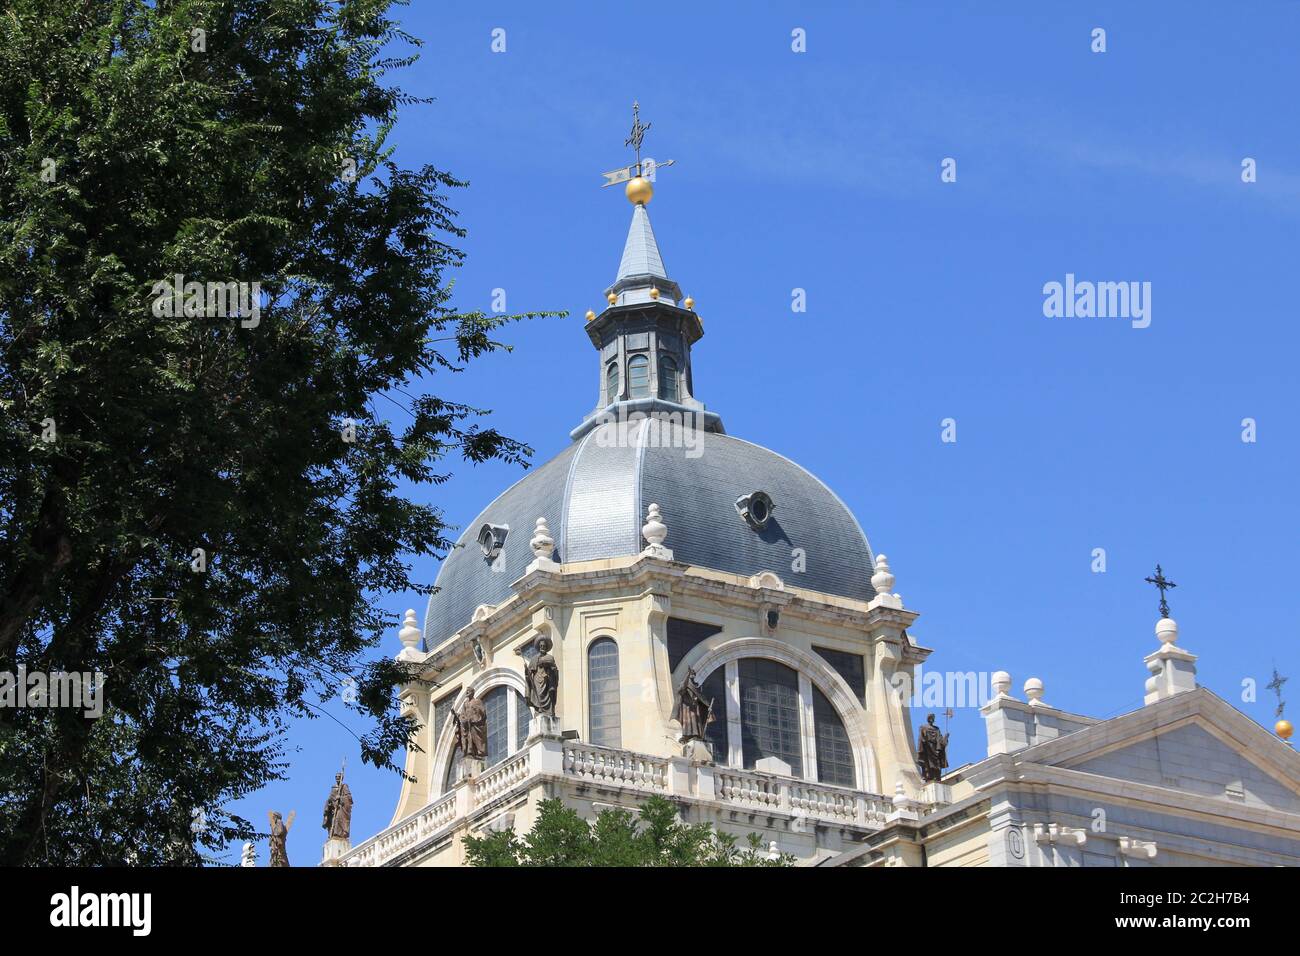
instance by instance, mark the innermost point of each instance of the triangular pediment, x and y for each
(1195, 743)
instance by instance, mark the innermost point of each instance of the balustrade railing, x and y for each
(606, 766)
(617, 767)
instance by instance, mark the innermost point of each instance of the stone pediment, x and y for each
(1195, 743)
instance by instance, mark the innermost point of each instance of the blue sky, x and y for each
(820, 171)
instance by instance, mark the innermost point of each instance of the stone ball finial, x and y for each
(883, 579)
(1034, 690)
(654, 530)
(1167, 630)
(1001, 684)
(542, 543)
(409, 635)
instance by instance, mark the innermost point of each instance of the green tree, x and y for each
(656, 836)
(185, 504)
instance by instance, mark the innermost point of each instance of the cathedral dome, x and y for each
(729, 505)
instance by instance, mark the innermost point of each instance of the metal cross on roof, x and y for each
(1275, 685)
(638, 131)
(1163, 584)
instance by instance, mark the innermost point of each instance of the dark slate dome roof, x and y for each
(594, 496)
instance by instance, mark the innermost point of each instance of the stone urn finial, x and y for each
(883, 579)
(654, 530)
(409, 635)
(542, 543)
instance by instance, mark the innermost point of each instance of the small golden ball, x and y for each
(654, 293)
(1284, 729)
(639, 190)
(611, 298)
(689, 303)
(590, 315)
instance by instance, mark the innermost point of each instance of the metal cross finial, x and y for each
(1275, 685)
(1163, 584)
(637, 134)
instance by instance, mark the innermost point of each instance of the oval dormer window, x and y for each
(491, 538)
(756, 508)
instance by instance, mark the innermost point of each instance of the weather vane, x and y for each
(1163, 584)
(1275, 685)
(634, 140)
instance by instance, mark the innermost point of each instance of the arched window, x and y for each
(834, 754)
(773, 700)
(603, 693)
(638, 376)
(714, 688)
(611, 382)
(507, 728)
(769, 713)
(498, 724)
(668, 379)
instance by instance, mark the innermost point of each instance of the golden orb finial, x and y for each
(654, 293)
(590, 315)
(1283, 729)
(612, 298)
(639, 191)
(689, 303)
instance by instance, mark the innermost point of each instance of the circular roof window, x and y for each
(756, 508)
(491, 538)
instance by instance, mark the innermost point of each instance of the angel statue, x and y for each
(280, 837)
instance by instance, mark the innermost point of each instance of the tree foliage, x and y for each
(213, 139)
(656, 836)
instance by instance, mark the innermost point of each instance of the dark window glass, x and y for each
(603, 696)
(769, 713)
(834, 756)
(638, 377)
(611, 382)
(668, 379)
(848, 666)
(498, 725)
(522, 714)
(442, 711)
(683, 636)
(455, 769)
(715, 689)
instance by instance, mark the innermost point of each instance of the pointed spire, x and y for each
(641, 253)
(641, 273)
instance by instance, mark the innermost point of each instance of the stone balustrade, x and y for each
(502, 777)
(623, 769)
(404, 834)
